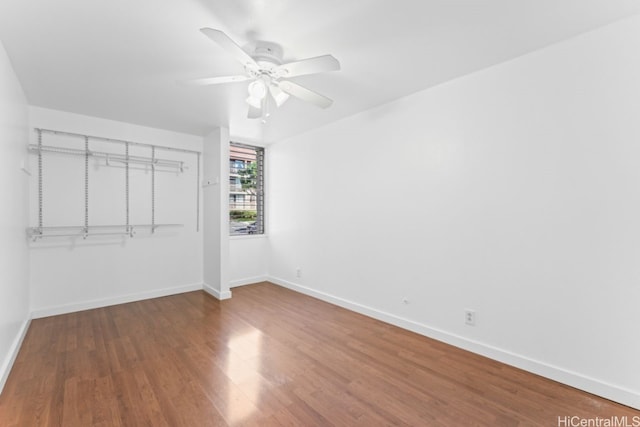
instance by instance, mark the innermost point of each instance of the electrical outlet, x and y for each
(298, 272)
(470, 317)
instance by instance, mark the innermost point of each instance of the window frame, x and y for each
(259, 229)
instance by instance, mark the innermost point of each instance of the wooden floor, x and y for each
(269, 356)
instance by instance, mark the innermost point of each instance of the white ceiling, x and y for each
(120, 59)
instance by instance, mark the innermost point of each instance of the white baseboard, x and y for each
(247, 281)
(105, 302)
(608, 391)
(216, 293)
(7, 364)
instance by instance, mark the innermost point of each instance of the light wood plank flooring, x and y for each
(267, 357)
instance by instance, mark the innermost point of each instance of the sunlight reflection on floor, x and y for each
(242, 367)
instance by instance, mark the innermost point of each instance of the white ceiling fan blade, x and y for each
(230, 46)
(305, 94)
(215, 80)
(319, 64)
(278, 95)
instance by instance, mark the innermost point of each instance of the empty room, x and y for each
(320, 213)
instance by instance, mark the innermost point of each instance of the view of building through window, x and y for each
(246, 189)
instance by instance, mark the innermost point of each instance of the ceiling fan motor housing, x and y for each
(269, 53)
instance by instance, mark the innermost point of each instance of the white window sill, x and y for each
(248, 236)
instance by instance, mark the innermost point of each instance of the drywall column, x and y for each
(215, 165)
(14, 253)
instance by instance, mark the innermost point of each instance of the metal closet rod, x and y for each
(81, 230)
(118, 141)
(113, 157)
(36, 236)
(67, 227)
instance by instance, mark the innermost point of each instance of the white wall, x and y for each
(514, 191)
(69, 274)
(248, 259)
(14, 255)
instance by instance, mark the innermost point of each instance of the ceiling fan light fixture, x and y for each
(254, 102)
(257, 89)
(257, 92)
(278, 95)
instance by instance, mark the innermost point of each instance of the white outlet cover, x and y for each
(470, 317)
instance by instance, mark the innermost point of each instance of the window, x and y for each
(246, 189)
(236, 164)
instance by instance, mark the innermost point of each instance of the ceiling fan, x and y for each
(264, 68)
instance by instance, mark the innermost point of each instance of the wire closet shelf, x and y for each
(125, 159)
